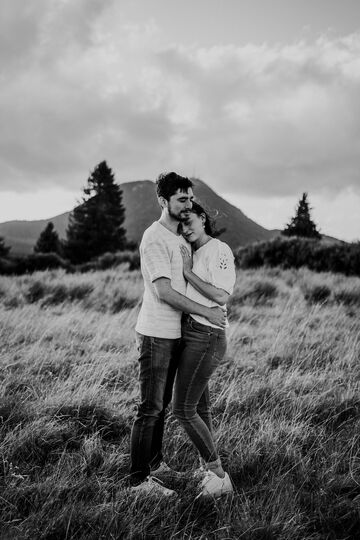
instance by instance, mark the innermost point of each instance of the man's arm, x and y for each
(167, 294)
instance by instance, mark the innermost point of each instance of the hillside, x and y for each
(142, 209)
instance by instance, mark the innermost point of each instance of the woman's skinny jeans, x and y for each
(203, 347)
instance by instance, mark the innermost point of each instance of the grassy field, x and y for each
(286, 407)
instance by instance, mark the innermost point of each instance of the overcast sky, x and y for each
(259, 99)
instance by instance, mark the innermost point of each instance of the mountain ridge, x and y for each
(141, 209)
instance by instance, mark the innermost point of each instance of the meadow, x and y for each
(286, 407)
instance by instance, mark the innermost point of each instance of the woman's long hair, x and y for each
(200, 211)
(210, 224)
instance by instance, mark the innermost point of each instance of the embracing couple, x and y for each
(180, 334)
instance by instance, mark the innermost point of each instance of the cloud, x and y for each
(274, 118)
(80, 83)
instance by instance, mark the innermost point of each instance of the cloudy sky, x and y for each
(259, 99)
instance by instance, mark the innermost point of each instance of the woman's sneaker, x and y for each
(152, 487)
(214, 486)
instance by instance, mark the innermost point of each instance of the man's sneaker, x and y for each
(164, 471)
(214, 486)
(151, 487)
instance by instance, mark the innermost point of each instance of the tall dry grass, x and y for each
(285, 401)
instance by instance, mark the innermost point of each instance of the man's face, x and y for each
(180, 204)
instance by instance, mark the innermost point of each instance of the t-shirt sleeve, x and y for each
(156, 259)
(222, 268)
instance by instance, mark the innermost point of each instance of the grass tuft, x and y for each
(316, 294)
(35, 292)
(40, 442)
(348, 297)
(90, 419)
(332, 414)
(258, 293)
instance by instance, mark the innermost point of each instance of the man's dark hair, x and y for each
(168, 183)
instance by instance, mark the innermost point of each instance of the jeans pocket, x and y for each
(200, 328)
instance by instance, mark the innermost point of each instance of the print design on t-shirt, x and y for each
(223, 261)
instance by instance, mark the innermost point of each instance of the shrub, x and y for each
(33, 263)
(111, 260)
(51, 261)
(7, 266)
(320, 256)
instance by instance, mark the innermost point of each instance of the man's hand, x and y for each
(187, 259)
(217, 316)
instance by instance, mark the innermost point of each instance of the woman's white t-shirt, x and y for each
(213, 263)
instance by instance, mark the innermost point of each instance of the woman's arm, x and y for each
(210, 291)
(166, 293)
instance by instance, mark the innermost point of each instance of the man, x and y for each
(158, 330)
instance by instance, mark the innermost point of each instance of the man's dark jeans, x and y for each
(158, 363)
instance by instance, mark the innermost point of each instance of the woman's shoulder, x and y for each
(219, 254)
(221, 247)
(222, 265)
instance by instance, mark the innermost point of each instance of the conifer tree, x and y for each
(4, 250)
(48, 241)
(95, 226)
(302, 224)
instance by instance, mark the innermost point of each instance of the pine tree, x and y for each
(4, 250)
(48, 241)
(302, 224)
(95, 226)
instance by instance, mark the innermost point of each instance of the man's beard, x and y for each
(179, 216)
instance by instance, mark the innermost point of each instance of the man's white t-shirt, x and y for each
(160, 257)
(213, 263)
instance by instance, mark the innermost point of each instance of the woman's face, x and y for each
(193, 227)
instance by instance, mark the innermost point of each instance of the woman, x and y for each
(210, 275)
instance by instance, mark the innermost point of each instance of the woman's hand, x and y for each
(187, 259)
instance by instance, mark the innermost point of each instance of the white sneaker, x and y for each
(165, 471)
(214, 486)
(151, 487)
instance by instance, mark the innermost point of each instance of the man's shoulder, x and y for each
(154, 241)
(151, 233)
(157, 234)
(153, 227)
